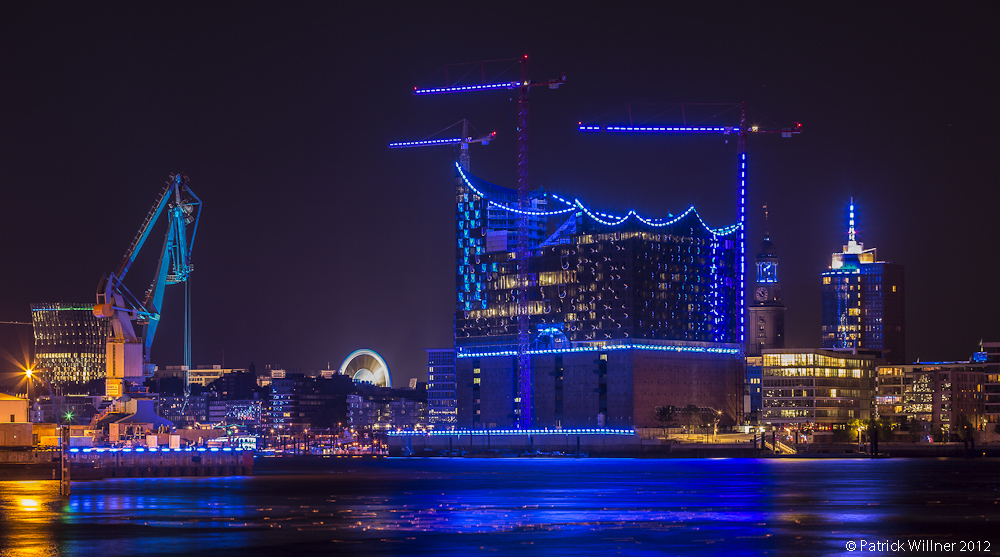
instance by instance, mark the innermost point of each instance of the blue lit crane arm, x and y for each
(464, 141)
(485, 140)
(147, 225)
(117, 302)
(174, 265)
(796, 128)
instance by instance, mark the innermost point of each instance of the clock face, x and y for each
(767, 271)
(761, 294)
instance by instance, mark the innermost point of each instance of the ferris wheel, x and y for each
(366, 366)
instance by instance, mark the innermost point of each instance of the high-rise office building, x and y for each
(863, 301)
(626, 313)
(69, 342)
(765, 313)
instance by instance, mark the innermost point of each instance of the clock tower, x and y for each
(765, 314)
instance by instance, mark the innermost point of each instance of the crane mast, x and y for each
(741, 132)
(128, 353)
(522, 402)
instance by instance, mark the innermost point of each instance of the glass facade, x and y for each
(817, 388)
(69, 342)
(596, 279)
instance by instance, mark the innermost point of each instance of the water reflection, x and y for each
(29, 511)
(517, 506)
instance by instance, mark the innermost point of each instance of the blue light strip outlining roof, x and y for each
(153, 450)
(654, 347)
(581, 431)
(603, 218)
(462, 88)
(400, 144)
(661, 129)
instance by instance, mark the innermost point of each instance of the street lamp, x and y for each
(29, 372)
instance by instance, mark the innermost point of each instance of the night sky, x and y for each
(316, 239)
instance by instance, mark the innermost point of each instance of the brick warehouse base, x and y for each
(574, 389)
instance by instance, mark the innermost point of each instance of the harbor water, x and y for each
(515, 506)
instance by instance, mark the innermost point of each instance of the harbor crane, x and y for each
(128, 353)
(740, 131)
(464, 141)
(523, 85)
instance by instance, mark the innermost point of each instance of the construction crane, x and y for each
(522, 409)
(128, 354)
(464, 140)
(741, 132)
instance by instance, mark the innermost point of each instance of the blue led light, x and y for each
(661, 129)
(603, 218)
(401, 144)
(464, 88)
(654, 347)
(484, 432)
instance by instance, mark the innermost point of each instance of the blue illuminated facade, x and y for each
(601, 278)
(863, 301)
(614, 301)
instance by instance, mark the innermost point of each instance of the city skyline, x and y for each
(318, 240)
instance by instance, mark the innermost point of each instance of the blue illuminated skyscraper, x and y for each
(863, 301)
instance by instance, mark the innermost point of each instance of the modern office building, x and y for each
(69, 342)
(442, 393)
(765, 312)
(863, 301)
(626, 313)
(938, 397)
(817, 389)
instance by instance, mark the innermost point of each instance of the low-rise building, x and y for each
(937, 398)
(13, 409)
(381, 413)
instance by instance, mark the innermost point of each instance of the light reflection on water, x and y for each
(28, 511)
(524, 506)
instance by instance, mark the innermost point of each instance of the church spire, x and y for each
(767, 228)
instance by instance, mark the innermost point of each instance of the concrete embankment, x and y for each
(555, 444)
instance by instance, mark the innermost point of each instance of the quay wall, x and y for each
(100, 463)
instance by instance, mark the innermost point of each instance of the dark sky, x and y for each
(316, 239)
